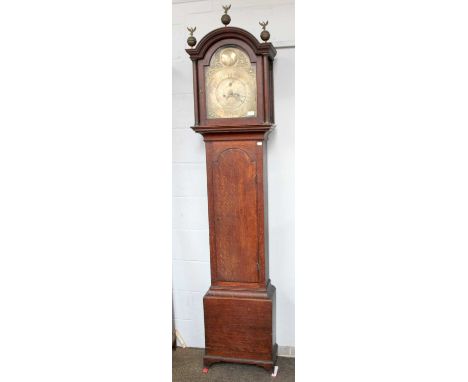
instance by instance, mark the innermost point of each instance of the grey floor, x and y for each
(187, 366)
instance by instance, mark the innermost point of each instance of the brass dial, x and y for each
(231, 86)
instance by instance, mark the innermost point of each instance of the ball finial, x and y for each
(226, 19)
(191, 40)
(265, 35)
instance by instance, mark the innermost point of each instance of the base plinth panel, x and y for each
(240, 330)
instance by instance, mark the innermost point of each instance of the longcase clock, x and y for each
(233, 94)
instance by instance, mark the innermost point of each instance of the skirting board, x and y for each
(283, 351)
(286, 351)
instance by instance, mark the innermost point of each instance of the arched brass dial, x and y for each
(231, 86)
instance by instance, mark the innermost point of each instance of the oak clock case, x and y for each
(233, 100)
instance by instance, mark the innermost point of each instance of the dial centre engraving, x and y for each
(231, 93)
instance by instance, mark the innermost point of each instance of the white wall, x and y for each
(191, 273)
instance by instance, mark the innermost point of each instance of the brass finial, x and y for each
(226, 19)
(265, 35)
(191, 40)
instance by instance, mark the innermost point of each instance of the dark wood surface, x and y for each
(235, 197)
(239, 307)
(235, 210)
(239, 327)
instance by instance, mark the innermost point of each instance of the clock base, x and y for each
(269, 366)
(240, 326)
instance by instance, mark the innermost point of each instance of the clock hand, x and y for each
(239, 95)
